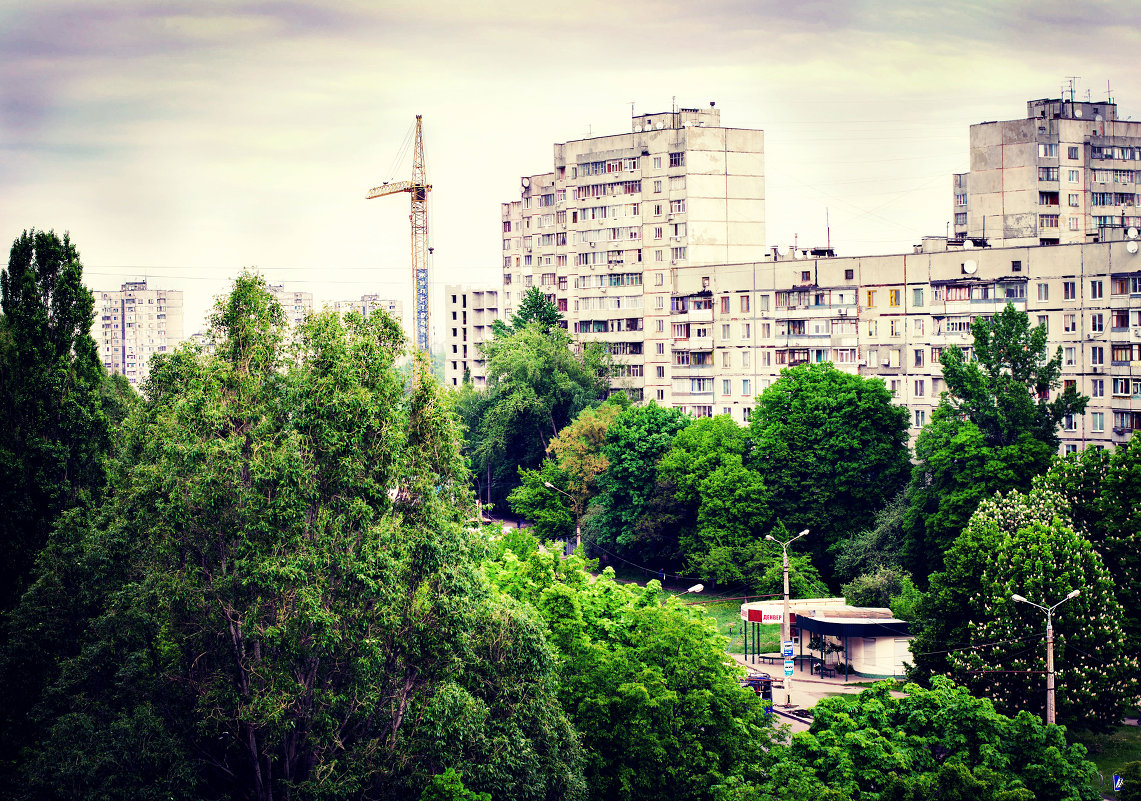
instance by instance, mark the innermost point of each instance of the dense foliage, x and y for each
(280, 596)
(53, 430)
(644, 679)
(995, 429)
(970, 626)
(832, 449)
(537, 384)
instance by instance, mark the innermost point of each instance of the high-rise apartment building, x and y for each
(468, 315)
(600, 233)
(367, 304)
(133, 324)
(295, 304)
(1064, 174)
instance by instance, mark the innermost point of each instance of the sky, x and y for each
(183, 141)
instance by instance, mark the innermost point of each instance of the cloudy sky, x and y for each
(181, 141)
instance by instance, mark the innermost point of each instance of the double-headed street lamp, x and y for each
(1049, 647)
(574, 505)
(785, 627)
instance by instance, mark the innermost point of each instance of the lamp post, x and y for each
(785, 627)
(1050, 716)
(574, 505)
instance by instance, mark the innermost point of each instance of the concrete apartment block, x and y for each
(1067, 173)
(133, 324)
(295, 304)
(468, 315)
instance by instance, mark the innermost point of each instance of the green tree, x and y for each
(937, 743)
(1025, 544)
(878, 546)
(534, 307)
(574, 464)
(645, 680)
(284, 593)
(1101, 488)
(627, 491)
(53, 430)
(995, 429)
(832, 449)
(537, 384)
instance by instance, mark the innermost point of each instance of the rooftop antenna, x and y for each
(827, 228)
(1108, 92)
(1073, 79)
(675, 104)
(631, 109)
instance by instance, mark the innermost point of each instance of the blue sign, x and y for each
(788, 667)
(787, 650)
(1118, 781)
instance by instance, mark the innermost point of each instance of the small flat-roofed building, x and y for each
(872, 642)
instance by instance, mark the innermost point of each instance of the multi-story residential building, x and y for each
(367, 304)
(133, 324)
(734, 327)
(295, 304)
(601, 231)
(1064, 174)
(469, 312)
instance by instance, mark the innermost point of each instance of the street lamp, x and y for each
(574, 505)
(785, 628)
(1050, 717)
(695, 588)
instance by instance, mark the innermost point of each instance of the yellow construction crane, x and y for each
(418, 188)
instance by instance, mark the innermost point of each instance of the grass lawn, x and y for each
(1112, 751)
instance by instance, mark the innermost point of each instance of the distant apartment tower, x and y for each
(135, 323)
(367, 304)
(295, 304)
(468, 312)
(601, 233)
(1067, 173)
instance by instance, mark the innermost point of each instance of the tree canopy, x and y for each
(995, 429)
(832, 449)
(53, 430)
(281, 596)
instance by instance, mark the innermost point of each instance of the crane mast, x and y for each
(418, 189)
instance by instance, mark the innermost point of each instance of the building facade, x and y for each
(468, 312)
(295, 304)
(733, 328)
(602, 230)
(1064, 174)
(133, 324)
(367, 304)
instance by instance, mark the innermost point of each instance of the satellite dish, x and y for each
(1131, 247)
(637, 129)
(526, 182)
(968, 244)
(970, 267)
(782, 250)
(1131, 233)
(1077, 111)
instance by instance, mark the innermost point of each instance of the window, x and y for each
(1048, 220)
(725, 304)
(920, 418)
(661, 347)
(1069, 290)
(677, 159)
(1095, 289)
(1073, 176)
(726, 386)
(1047, 173)
(658, 255)
(1097, 388)
(871, 298)
(1047, 150)
(661, 327)
(917, 326)
(919, 387)
(895, 326)
(661, 394)
(1072, 152)
(657, 162)
(657, 232)
(1069, 355)
(1097, 355)
(657, 209)
(657, 186)
(1072, 198)
(766, 331)
(873, 328)
(1097, 421)
(1069, 323)
(659, 279)
(746, 386)
(1072, 223)
(917, 296)
(677, 254)
(919, 358)
(725, 331)
(660, 371)
(677, 206)
(849, 275)
(1043, 292)
(744, 303)
(893, 297)
(764, 303)
(1044, 322)
(805, 275)
(746, 358)
(1096, 323)
(746, 331)
(1069, 423)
